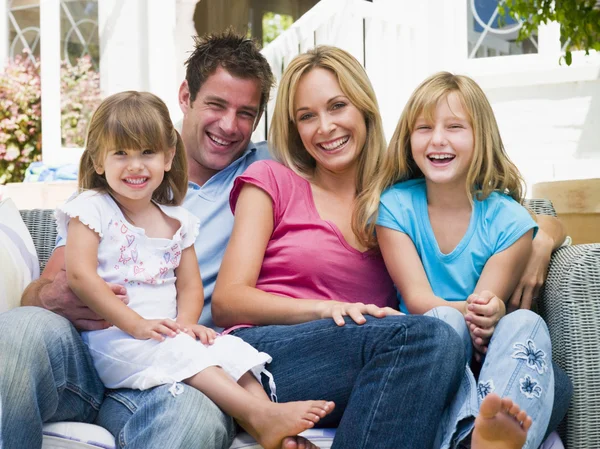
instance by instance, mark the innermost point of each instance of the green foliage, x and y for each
(579, 20)
(275, 24)
(20, 118)
(21, 115)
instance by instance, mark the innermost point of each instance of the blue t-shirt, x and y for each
(496, 223)
(210, 203)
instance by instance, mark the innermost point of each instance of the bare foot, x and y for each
(501, 424)
(297, 442)
(274, 422)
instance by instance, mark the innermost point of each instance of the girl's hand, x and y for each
(485, 310)
(155, 329)
(205, 334)
(337, 310)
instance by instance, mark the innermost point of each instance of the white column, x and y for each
(163, 61)
(184, 34)
(50, 80)
(3, 33)
(122, 29)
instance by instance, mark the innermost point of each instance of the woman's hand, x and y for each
(155, 329)
(206, 335)
(337, 310)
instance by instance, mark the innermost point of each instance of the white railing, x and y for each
(384, 43)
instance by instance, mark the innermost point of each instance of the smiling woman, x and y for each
(323, 303)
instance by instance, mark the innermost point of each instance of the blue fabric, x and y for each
(518, 365)
(61, 384)
(390, 378)
(210, 203)
(496, 223)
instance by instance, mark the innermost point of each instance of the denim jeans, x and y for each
(47, 375)
(391, 378)
(518, 364)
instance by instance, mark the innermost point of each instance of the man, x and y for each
(46, 373)
(225, 92)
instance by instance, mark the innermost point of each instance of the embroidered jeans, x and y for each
(518, 365)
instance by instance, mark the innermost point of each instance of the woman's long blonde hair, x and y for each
(284, 140)
(490, 170)
(134, 121)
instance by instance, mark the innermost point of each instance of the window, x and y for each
(491, 34)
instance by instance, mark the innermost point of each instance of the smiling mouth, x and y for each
(219, 141)
(441, 159)
(334, 144)
(135, 181)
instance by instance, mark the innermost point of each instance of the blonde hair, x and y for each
(134, 121)
(284, 140)
(490, 170)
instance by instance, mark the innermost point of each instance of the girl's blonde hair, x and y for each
(490, 170)
(134, 121)
(284, 140)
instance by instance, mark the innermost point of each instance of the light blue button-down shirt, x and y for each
(210, 203)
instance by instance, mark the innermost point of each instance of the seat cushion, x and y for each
(18, 257)
(74, 435)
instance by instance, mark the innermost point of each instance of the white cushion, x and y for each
(74, 435)
(18, 257)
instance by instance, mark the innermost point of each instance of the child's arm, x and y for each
(500, 276)
(190, 297)
(406, 269)
(83, 279)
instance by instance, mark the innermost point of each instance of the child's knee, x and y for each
(455, 319)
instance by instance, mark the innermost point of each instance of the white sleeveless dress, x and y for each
(145, 266)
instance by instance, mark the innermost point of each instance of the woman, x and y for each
(296, 271)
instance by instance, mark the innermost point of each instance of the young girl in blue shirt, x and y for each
(455, 240)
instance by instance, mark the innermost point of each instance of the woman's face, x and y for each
(332, 129)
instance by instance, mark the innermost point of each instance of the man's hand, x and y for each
(56, 296)
(534, 276)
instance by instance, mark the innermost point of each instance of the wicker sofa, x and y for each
(570, 304)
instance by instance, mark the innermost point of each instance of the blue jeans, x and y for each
(47, 375)
(518, 365)
(390, 378)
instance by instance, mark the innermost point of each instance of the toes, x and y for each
(290, 443)
(527, 423)
(491, 405)
(312, 417)
(514, 411)
(507, 404)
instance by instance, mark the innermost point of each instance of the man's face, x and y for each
(218, 124)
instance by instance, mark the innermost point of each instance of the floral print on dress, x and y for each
(530, 387)
(535, 358)
(485, 388)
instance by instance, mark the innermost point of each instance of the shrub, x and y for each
(20, 111)
(80, 88)
(20, 118)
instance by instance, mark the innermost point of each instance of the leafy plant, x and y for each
(20, 111)
(579, 20)
(80, 96)
(275, 24)
(20, 118)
